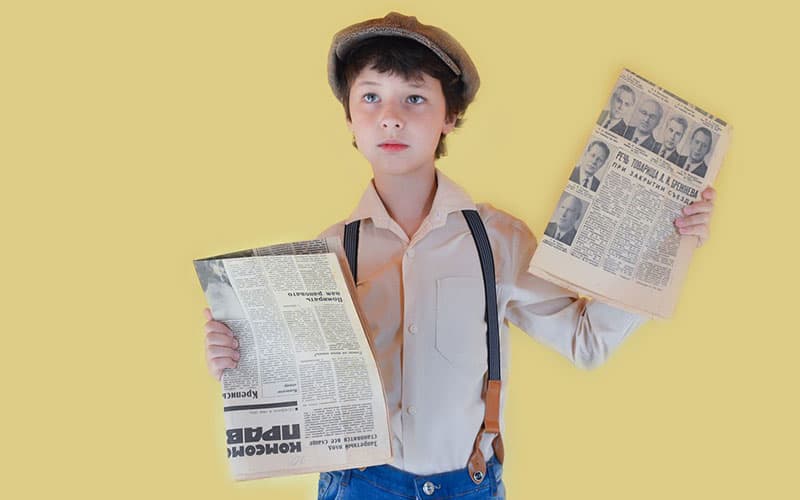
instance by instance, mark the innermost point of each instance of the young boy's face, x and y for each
(397, 122)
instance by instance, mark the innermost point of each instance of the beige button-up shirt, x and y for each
(424, 304)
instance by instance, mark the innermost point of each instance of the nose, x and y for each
(391, 119)
(389, 122)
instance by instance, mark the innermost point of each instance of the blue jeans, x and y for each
(384, 482)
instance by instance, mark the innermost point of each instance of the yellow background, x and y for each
(137, 136)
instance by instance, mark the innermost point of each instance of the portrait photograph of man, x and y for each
(647, 117)
(615, 118)
(587, 172)
(566, 220)
(700, 145)
(674, 131)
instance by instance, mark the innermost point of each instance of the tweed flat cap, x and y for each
(436, 39)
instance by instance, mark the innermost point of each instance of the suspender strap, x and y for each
(487, 266)
(491, 418)
(351, 247)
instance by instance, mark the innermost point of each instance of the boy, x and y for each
(404, 87)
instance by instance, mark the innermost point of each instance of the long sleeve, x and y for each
(584, 331)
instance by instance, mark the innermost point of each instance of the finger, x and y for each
(700, 231)
(217, 327)
(220, 339)
(697, 207)
(709, 193)
(219, 365)
(207, 314)
(693, 220)
(215, 351)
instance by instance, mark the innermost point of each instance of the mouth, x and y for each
(392, 146)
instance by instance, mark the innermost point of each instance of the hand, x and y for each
(222, 348)
(696, 216)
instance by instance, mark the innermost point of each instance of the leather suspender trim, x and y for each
(491, 419)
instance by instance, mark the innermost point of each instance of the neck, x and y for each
(407, 197)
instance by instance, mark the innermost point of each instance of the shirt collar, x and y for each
(449, 197)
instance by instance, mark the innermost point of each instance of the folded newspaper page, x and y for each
(306, 395)
(612, 234)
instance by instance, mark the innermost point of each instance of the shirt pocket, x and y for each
(460, 324)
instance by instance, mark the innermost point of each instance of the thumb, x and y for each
(207, 314)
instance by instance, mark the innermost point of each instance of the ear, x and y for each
(449, 124)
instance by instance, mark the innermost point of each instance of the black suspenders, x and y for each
(491, 422)
(351, 247)
(490, 291)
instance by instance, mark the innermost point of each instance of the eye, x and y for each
(370, 97)
(416, 99)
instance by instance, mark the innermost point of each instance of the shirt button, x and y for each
(412, 328)
(412, 410)
(410, 253)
